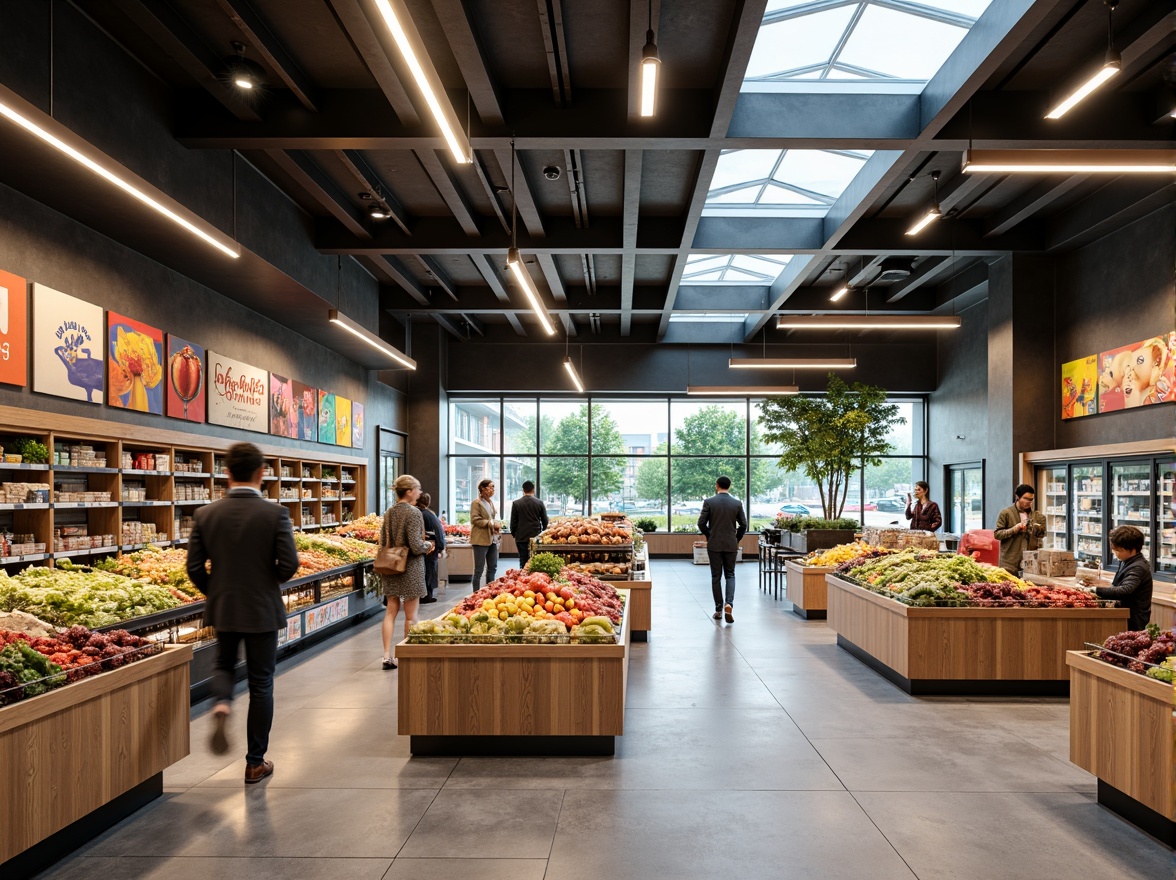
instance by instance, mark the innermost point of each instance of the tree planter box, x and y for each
(806, 590)
(818, 539)
(999, 651)
(1121, 731)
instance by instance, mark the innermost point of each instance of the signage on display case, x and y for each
(325, 615)
(292, 632)
(237, 394)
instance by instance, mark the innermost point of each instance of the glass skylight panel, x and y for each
(926, 44)
(744, 166)
(818, 171)
(809, 39)
(761, 269)
(781, 183)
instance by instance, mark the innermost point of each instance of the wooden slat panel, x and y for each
(1121, 730)
(806, 586)
(878, 626)
(1164, 610)
(640, 610)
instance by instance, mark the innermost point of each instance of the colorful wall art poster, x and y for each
(1147, 370)
(69, 346)
(14, 329)
(357, 425)
(134, 364)
(1112, 369)
(306, 399)
(326, 418)
(342, 421)
(186, 367)
(237, 394)
(1078, 383)
(283, 409)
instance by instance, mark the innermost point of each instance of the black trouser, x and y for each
(261, 656)
(524, 545)
(430, 573)
(722, 562)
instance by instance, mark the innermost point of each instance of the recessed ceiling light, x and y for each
(791, 363)
(867, 322)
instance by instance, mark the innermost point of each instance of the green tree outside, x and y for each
(563, 477)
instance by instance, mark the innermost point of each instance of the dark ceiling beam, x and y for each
(782, 288)
(319, 186)
(556, 48)
(373, 52)
(363, 174)
(648, 300)
(168, 30)
(725, 234)
(453, 324)
(399, 273)
(632, 209)
(450, 190)
(929, 271)
(1120, 202)
(808, 300)
(259, 35)
(493, 191)
(866, 272)
(962, 287)
(486, 268)
(962, 190)
(1029, 203)
(471, 59)
(818, 117)
(434, 271)
(516, 178)
(888, 236)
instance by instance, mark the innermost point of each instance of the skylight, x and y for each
(707, 317)
(830, 42)
(780, 183)
(733, 269)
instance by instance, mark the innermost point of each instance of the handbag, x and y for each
(391, 560)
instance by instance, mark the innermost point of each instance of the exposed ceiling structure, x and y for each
(795, 142)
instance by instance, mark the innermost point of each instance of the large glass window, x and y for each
(708, 428)
(966, 505)
(464, 475)
(475, 427)
(521, 426)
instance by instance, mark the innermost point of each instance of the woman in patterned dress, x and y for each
(403, 527)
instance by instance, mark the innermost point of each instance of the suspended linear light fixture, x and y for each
(1112, 64)
(740, 390)
(933, 213)
(339, 319)
(1069, 162)
(410, 44)
(571, 368)
(840, 293)
(57, 136)
(515, 262)
(868, 322)
(650, 67)
(791, 363)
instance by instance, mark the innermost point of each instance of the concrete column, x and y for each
(428, 413)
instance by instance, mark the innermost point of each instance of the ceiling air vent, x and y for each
(894, 269)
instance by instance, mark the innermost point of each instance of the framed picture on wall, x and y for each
(14, 329)
(283, 410)
(306, 399)
(69, 346)
(134, 365)
(326, 417)
(186, 367)
(1078, 383)
(237, 394)
(342, 421)
(356, 425)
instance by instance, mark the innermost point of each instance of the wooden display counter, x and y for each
(806, 590)
(1164, 610)
(513, 699)
(80, 758)
(1121, 730)
(460, 562)
(1005, 651)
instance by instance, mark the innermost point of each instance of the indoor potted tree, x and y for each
(828, 438)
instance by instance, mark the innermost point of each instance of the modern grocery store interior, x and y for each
(616, 249)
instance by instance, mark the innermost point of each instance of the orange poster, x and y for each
(14, 329)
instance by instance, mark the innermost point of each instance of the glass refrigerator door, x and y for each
(1052, 494)
(1086, 500)
(1131, 497)
(1165, 515)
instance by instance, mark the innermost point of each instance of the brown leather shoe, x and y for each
(258, 772)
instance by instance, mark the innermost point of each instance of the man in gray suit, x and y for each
(250, 544)
(724, 524)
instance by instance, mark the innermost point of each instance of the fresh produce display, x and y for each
(165, 567)
(31, 665)
(65, 596)
(366, 528)
(1166, 671)
(457, 534)
(835, 556)
(601, 569)
(549, 563)
(344, 550)
(1140, 649)
(585, 531)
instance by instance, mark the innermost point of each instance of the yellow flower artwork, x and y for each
(136, 368)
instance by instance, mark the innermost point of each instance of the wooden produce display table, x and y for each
(1121, 731)
(460, 562)
(806, 590)
(80, 758)
(1002, 651)
(1164, 610)
(474, 699)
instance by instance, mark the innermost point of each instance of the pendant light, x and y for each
(571, 368)
(867, 322)
(1112, 64)
(1069, 162)
(791, 363)
(650, 67)
(515, 262)
(933, 213)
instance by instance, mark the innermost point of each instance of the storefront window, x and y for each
(642, 425)
(520, 426)
(775, 491)
(519, 469)
(708, 428)
(692, 481)
(465, 472)
(475, 427)
(563, 427)
(563, 485)
(887, 486)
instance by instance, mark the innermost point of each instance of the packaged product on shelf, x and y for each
(24, 493)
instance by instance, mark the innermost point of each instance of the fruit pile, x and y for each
(366, 528)
(457, 534)
(31, 665)
(844, 553)
(164, 567)
(1139, 650)
(344, 550)
(65, 596)
(585, 531)
(601, 569)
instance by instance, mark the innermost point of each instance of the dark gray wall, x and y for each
(428, 413)
(959, 406)
(46, 247)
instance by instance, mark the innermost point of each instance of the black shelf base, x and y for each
(513, 746)
(77, 834)
(813, 614)
(1140, 815)
(976, 687)
(639, 635)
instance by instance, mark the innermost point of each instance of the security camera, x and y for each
(552, 172)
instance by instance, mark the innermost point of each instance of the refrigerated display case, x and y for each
(1051, 490)
(1131, 498)
(1087, 525)
(1165, 516)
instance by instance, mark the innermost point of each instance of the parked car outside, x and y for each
(892, 503)
(790, 510)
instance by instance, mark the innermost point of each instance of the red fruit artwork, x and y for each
(185, 379)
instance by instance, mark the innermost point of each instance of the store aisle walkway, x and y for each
(757, 750)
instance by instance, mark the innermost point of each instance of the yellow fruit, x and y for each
(528, 594)
(570, 604)
(502, 615)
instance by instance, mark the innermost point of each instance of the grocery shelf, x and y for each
(191, 475)
(28, 557)
(31, 505)
(291, 479)
(66, 554)
(21, 466)
(82, 469)
(83, 505)
(179, 542)
(143, 473)
(143, 504)
(192, 503)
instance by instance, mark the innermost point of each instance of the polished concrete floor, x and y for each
(754, 750)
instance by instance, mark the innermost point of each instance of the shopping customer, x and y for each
(403, 527)
(435, 532)
(249, 543)
(723, 523)
(528, 519)
(1019, 528)
(925, 514)
(485, 532)
(1132, 585)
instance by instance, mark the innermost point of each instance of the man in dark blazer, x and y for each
(528, 518)
(249, 544)
(723, 523)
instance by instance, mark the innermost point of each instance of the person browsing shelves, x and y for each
(1132, 586)
(1019, 528)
